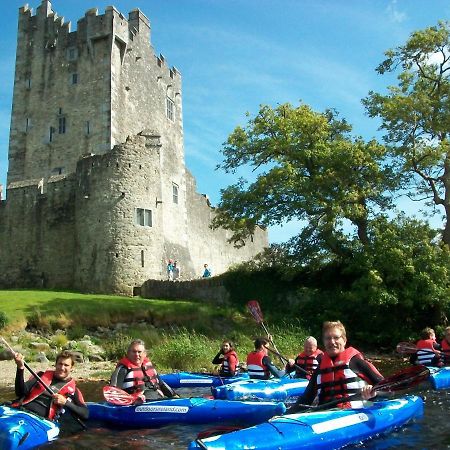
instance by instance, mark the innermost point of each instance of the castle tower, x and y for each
(99, 197)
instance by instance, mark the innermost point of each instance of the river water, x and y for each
(430, 432)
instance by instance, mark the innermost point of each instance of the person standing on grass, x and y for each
(135, 373)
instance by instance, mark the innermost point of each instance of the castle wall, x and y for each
(36, 234)
(211, 246)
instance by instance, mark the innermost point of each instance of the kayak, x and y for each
(278, 389)
(183, 410)
(20, 429)
(192, 379)
(330, 429)
(440, 377)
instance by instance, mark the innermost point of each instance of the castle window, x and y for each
(72, 54)
(28, 83)
(61, 125)
(74, 78)
(88, 127)
(27, 124)
(170, 108)
(175, 193)
(142, 258)
(143, 217)
(51, 132)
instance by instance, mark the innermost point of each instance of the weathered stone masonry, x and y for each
(98, 193)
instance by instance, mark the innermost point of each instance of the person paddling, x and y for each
(445, 348)
(342, 372)
(259, 364)
(33, 396)
(308, 360)
(428, 350)
(228, 360)
(135, 373)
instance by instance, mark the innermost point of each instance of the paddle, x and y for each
(399, 381)
(41, 381)
(286, 360)
(255, 311)
(119, 397)
(406, 348)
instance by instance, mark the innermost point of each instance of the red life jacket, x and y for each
(255, 366)
(337, 380)
(426, 353)
(47, 377)
(137, 376)
(225, 369)
(445, 352)
(307, 362)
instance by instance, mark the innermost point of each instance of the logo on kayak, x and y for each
(341, 422)
(161, 409)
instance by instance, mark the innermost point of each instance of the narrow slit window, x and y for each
(175, 193)
(170, 109)
(61, 125)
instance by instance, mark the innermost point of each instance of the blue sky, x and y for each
(237, 54)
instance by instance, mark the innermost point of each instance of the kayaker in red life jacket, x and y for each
(341, 373)
(33, 397)
(228, 360)
(259, 364)
(428, 350)
(135, 373)
(445, 348)
(309, 359)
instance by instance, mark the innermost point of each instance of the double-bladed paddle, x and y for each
(399, 381)
(407, 348)
(119, 397)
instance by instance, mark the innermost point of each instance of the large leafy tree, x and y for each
(416, 115)
(307, 167)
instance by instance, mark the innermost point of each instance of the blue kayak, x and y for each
(183, 410)
(192, 379)
(331, 429)
(440, 377)
(23, 430)
(277, 389)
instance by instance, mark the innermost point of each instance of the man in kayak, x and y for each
(445, 348)
(228, 360)
(259, 364)
(135, 373)
(341, 373)
(33, 396)
(309, 359)
(428, 350)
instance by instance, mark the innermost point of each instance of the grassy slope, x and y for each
(182, 335)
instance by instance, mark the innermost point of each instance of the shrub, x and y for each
(3, 320)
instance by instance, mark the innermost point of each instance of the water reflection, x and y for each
(432, 431)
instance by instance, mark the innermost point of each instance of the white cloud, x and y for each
(394, 14)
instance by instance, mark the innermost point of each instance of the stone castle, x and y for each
(98, 194)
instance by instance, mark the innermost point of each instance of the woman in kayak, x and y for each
(33, 396)
(135, 373)
(259, 364)
(228, 360)
(341, 373)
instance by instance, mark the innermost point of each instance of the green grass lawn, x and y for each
(182, 334)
